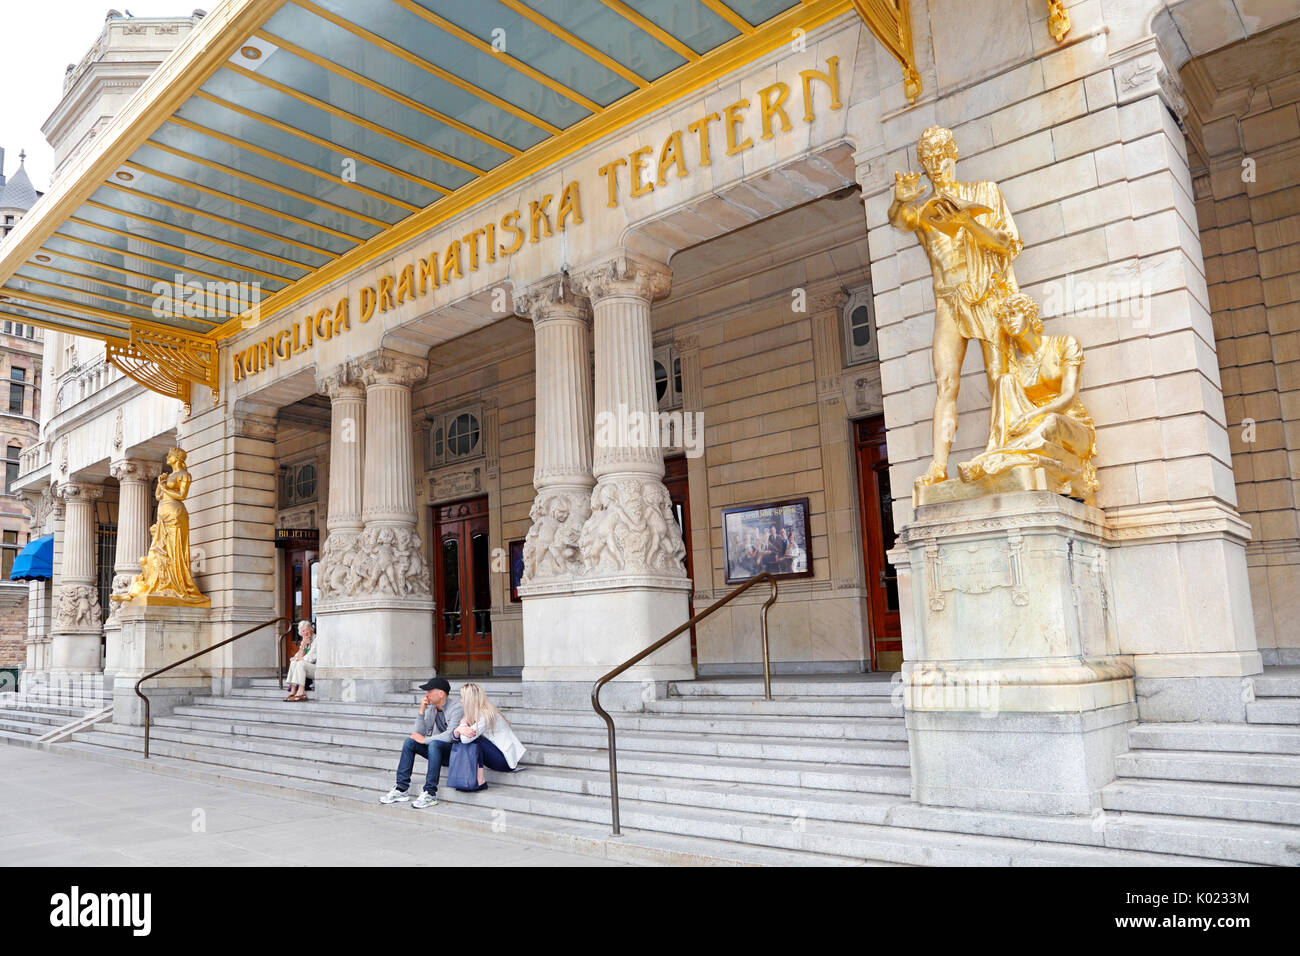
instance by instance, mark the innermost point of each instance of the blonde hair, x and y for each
(476, 706)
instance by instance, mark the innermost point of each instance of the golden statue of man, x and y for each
(967, 231)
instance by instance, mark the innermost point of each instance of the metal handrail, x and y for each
(596, 688)
(280, 669)
(185, 660)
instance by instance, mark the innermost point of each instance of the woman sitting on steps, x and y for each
(498, 747)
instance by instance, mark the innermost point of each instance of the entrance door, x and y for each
(679, 491)
(875, 503)
(463, 581)
(300, 585)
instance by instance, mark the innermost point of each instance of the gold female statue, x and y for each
(1037, 418)
(165, 576)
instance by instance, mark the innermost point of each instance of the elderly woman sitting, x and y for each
(302, 666)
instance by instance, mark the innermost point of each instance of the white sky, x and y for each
(42, 37)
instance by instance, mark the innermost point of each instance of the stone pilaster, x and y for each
(377, 632)
(562, 466)
(135, 479)
(77, 617)
(347, 394)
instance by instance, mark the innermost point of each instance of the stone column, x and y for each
(77, 622)
(633, 587)
(562, 450)
(135, 478)
(347, 394)
(377, 634)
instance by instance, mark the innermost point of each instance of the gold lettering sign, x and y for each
(765, 115)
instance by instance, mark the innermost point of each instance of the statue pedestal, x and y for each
(577, 630)
(153, 636)
(1016, 696)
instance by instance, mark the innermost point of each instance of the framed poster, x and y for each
(516, 569)
(771, 537)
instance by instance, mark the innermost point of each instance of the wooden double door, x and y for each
(463, 588)
(876, 507)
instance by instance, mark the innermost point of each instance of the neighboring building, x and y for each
(694, 222)
(20, 366)
(17, 195)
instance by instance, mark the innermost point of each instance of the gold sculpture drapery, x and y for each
(165, 577)
(891, 23)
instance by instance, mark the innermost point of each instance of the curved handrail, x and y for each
(596, 688)
(281, 670)
(184, 660)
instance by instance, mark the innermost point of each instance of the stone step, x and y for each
(1276, 685)
(781, 706)
(26, 728)
(59, 711)
(1202, 838)
(1221, 801)
(874, 685)
(380, 752)
(633, 846)
(388, 736)
(275, 692)
(1233, 738)
(1274, 710)
(861, 842)
(1271, 770)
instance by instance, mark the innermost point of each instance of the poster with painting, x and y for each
(770, 537)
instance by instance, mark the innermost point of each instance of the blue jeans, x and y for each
(437, 752)
(490, 756)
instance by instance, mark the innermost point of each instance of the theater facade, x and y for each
(502, 339)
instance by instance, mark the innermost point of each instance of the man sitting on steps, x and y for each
(431, 739)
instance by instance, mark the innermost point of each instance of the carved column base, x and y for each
(632, 530)
(552, 550)
(77, 629)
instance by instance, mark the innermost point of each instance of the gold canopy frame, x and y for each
(137, 208)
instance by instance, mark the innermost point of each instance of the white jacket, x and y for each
(503, 738)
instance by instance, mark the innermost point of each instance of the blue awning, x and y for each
(36, 561)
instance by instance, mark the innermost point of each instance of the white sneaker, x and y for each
(425, 799)
(395, 796)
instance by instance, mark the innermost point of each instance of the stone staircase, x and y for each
(28, 715)
(1230, 791)
(711, 774)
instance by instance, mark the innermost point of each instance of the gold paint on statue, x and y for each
(1041, 437)
(165, 577)
(1037, 418)
(970, 238)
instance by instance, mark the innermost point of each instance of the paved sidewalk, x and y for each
(57, 811)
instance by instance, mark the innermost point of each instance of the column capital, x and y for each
(386, 367)
(135, 469)
(342, 382)
(81, 490)
(552, 298)
(623, 274)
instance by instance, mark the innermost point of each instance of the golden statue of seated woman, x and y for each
(1037, 419)
(165, 576)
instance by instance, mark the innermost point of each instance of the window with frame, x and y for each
(10, 547)
(17, 389)
(668, 377)
(298, 484)
(12, 454)
(859, 321)
(456, 435)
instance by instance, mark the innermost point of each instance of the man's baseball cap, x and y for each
(437, 683)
